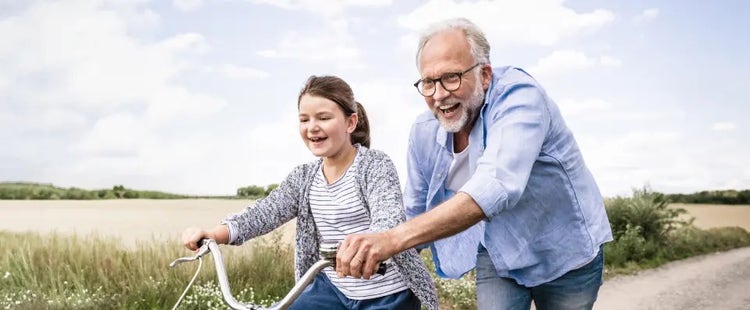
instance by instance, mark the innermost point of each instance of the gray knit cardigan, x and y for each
(380, 193)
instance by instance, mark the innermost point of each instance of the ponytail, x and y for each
(361, 133)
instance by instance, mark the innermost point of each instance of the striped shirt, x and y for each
(338, 212)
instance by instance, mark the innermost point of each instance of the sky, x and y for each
(199, 97)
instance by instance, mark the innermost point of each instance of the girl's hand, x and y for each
(192, 235)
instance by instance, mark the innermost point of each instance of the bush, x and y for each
(251, 191)
(648, 212)
(648, 233)
(270, 188)
(631, 247)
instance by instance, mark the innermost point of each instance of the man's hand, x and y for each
(360, 254)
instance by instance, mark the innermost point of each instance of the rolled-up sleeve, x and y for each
(516, 126)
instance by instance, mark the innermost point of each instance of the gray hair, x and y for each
(480, 47)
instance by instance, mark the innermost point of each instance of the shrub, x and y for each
(631, 246)
(647, 211)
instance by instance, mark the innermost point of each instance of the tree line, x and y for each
(45, 191)
(723, 197)
(255, 191)
(41, 191)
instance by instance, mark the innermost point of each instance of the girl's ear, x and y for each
(351, 122)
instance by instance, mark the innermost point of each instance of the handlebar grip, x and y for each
(382, 268)
(202, 241)
(328, 251)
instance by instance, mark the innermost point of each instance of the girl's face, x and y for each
(323, 126)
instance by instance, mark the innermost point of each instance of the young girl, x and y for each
(350, 189)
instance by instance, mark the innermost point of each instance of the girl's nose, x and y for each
(313, 126)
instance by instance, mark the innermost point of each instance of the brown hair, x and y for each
(337, 90)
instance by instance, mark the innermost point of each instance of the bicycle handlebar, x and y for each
(328, 252)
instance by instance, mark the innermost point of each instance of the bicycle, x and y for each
(328, 250)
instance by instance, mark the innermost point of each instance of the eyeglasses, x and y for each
(450, 81)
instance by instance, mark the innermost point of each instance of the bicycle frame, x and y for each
(327, 258)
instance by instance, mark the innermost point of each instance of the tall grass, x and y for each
(62, 272)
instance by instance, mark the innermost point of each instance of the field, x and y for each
(129, 220)
(144, 219)
(710, 216)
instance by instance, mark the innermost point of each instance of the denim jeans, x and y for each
(576, 289)
(322, 294)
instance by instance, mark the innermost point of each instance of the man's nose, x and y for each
(440, 92)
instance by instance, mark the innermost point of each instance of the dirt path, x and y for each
(713, 281)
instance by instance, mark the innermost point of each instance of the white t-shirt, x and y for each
(459, 172)
(338, 212)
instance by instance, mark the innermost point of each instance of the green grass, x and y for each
(62, 272)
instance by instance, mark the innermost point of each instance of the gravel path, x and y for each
(713, 281)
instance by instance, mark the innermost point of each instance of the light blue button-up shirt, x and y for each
(545, 214)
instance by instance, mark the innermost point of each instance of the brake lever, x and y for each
(203, 250)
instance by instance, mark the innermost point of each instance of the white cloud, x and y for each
(620, 162)
(192, 42)
(319, 47)
(173, 102)
(236, 72)
(188, 5)
(391, 109)
(574, 108)
(724, 126)
(332, 44)
(563, 61)
(324, 7)
(91, 63)
(116, 135)
(646, 16)
(108, 98)
(3, 82)
(631, 160)
(610, 61)
(509, 22)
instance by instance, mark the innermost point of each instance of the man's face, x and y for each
(449, 52)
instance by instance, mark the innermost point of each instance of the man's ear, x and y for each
(486, 76)
(352, 121)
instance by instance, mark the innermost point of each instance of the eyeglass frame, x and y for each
(440, 80)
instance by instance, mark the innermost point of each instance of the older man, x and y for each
(495, 181)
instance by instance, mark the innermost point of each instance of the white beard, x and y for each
(469, 110)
